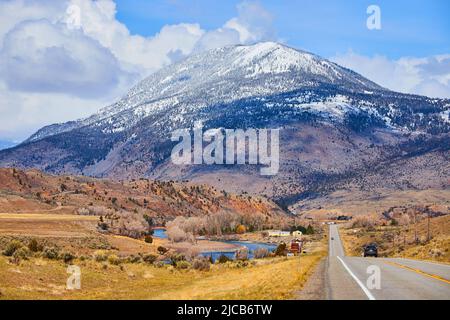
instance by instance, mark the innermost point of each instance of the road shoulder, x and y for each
(314, 288)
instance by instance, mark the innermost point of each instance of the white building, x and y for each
(279, 233)
(297, 234)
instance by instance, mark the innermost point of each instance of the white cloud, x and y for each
(53, 71)
(39, 56)
(14, 12)
(429, 76)
(98, 21)
(217, 38)
(24, 112)
(252, 24)
(55, 68)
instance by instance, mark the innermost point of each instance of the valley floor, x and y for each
(41, 278)
(271, 278)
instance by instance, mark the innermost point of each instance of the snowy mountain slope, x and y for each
(220, 76)
(353, 122)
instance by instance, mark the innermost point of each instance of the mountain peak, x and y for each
(324, 111)
(272, 57)
(269, 66)
(222, 75)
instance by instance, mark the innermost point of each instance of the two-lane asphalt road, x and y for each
(400, 279)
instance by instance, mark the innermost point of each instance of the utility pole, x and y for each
(393, 240)
(415, 225)
(428, 227)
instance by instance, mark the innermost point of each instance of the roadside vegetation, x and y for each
(32, 271)
(223, 223)
(417, 233)
(106, 228)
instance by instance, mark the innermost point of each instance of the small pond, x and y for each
(251, 246)
(160, 233)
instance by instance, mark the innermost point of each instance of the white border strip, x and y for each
(366, 291)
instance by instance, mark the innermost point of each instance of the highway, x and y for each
(355, 278)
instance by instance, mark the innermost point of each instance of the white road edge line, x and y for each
(421, 261)
(366, 291)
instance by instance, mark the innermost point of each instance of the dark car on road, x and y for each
(371, 250)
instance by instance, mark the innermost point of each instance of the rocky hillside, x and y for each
(28, 191)
(338, 129)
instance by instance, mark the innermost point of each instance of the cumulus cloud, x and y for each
(217, 38)
(141, 54)
(429, 76)
(39, 56)
(24, 112)
(13, 12)
(61, 60)
(253, 24)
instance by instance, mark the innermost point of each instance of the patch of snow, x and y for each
(445, 115)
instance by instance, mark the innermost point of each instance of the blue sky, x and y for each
(63, 60)
(326, 27)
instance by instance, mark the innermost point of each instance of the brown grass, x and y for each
(47, 225)
(437, 249)
(274, 278)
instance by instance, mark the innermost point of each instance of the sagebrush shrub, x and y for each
(223, 259)
(100, 256)
(12, 246)
(242, 254)
(261, 253)
(177, 257)
(34, 246)
(281, 249)
(50, 253)
(67, 257)
(241, 264)
(201, 263)
(162, 250)
(114, 260)
(183, 264)
(149, 258)
(22, 253)
(134, 259)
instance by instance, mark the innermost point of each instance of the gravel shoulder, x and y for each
(314, 288)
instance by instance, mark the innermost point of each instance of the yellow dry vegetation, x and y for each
(46, 217)
(272, 278)
(403, 244)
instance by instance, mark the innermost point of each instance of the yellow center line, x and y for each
(418, 271)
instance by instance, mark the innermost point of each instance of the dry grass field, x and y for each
(271, 278)
(37, 277)
(399, 241)
(73, 232)
(70, 232)
(47, 225)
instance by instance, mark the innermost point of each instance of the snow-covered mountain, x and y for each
(229, 74)
(335, 122)
(220, 76)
